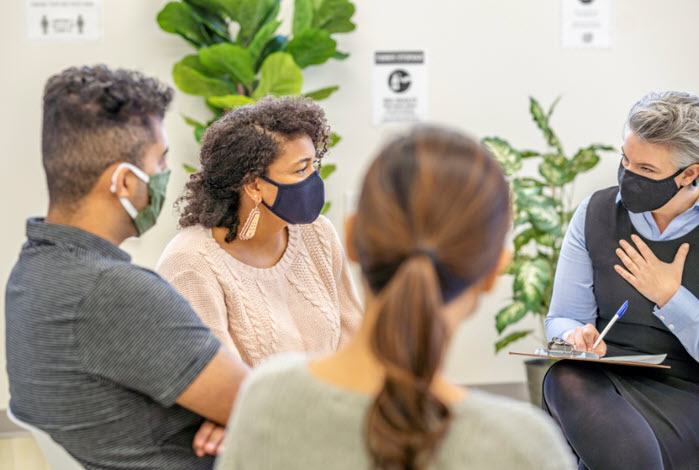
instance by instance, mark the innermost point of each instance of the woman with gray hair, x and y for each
(638, 241)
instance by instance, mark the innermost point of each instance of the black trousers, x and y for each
(624, 418)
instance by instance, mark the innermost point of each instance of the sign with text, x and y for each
(63, 20)
(587, 24)
(399, 87)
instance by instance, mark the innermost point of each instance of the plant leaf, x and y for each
(327, 170)
(216, 6)
(510, 315)
(229, 101)
(262, 37)
(188, 168)
(531, 281)
(334, 16)
(276, 44)
(511, 338)
(212, 17)
(190, 76)
(180, 18)
(229, 59)
(303, 15)
(311, 47)
(542, 121)
(340, 55)
(326, 208)
(251, 15)
(543, 215)
(321, 94)
(584, 160)
(553, 174)
(509, 159)
(279, 75)
(529, 153)
(191, 121)
(524, 237)
(516, 264)
(552, 107)
(334, 139)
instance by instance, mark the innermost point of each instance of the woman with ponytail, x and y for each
(428, 235)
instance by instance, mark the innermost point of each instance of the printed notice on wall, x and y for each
(63, 20)
(399, 87)
(587, 23)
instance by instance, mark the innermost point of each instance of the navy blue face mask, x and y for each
(642, 194)
(298, 203)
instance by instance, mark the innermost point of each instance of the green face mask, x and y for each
(157, 187)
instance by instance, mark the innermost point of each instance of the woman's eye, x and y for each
(301, 171)
(646, 169)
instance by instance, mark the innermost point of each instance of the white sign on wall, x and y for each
(63, 20)
(399, 87)
(587, 23)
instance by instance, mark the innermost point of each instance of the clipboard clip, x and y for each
(561, 348)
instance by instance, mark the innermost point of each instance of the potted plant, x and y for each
(239, 57)
(542, 208)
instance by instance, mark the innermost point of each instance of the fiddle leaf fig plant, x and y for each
(239, 57)
(542, 208)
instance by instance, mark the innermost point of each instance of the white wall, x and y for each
(485, 58)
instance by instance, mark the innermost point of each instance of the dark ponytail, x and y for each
(406, 421)
(431, 221)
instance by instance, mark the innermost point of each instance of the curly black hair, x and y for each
(240, 147)
(94, 117)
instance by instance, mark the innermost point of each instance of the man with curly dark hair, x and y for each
(103, 355)
(255, 259)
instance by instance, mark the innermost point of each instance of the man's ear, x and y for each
(349, 239)
(122, 183)
(503, 263)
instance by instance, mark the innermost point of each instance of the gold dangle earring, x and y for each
(250, 227)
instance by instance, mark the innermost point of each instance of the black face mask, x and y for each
(298, 203)
(641, 194)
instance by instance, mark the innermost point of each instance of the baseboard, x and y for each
(8, 428)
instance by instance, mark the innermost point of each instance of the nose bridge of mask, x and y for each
(140, 174)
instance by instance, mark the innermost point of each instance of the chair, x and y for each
(56, 456)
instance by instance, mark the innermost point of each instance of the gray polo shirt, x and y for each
(98, 350)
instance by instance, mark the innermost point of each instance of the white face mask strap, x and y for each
(128, 207)
(136, 171)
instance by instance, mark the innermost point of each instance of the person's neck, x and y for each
(683, 201)
(90, 219)
(355, 367)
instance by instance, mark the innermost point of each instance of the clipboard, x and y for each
(559, 349)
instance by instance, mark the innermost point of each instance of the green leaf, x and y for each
(188, 168)
(584, 160)
(511, 338)
(516, 264)
(215, 6)
(340, 55)
(543, 215)
(524, 237)
(334, 16)
(262, 37)
(251, 15)
(321, 94)
(552, 107)
(279, 75)
(311, 47)
(510, 315)
(191, 121)
(212, 18)
(327, 170)
(509, 159)
(199, 132)
(276, 44)
(303, 15)
(553, 174)
(531, 281)
(229, 101)
(334, 139)
(179, 18)
(326, 208)
(542, 121)
(229, 59)
(190, 76)
(529, 153)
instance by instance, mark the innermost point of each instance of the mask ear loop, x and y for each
(140, 174)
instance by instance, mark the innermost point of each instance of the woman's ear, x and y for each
(253, 191)
(349, 239)
(503, 263)
(690, 174)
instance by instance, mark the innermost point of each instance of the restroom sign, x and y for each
(63, 20)
(399, 87)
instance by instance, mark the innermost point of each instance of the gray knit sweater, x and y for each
(287, 419)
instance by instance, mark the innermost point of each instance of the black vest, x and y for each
(638, 331)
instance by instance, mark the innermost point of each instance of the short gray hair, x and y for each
(670, 119)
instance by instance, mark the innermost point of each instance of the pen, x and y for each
(617, 316)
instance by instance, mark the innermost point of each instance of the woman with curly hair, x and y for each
(255, 259)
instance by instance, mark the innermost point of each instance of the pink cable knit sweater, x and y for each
(305, 303)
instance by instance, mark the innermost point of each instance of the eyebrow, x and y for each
(165, 152)
(649, 165)
(303, 160)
